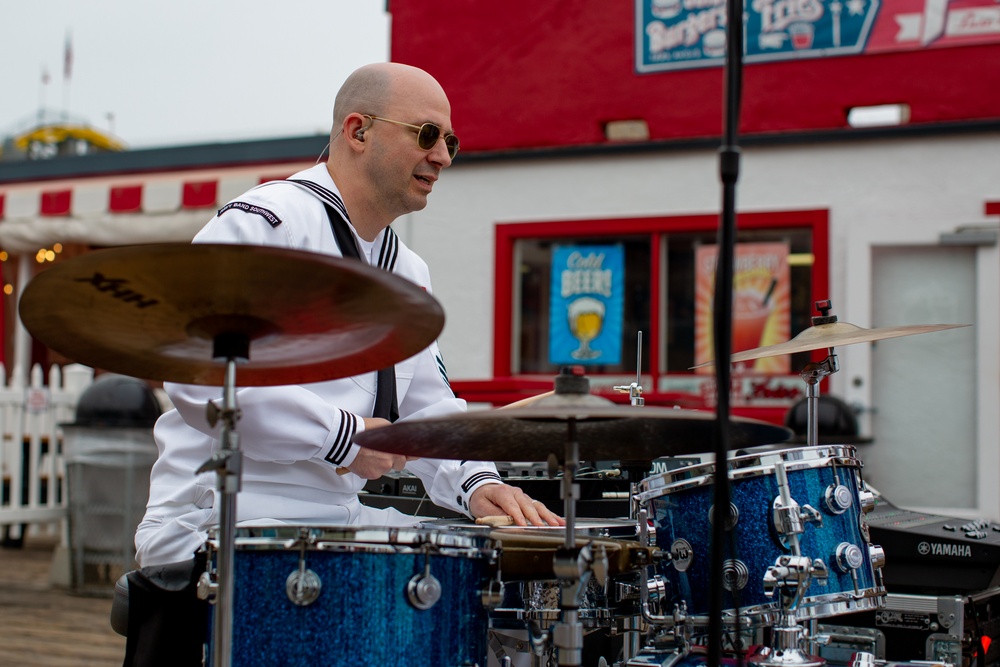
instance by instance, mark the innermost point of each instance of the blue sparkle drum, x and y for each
(359, 596)
(825, 482)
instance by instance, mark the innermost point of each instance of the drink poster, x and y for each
(761, 303)
(684, 34)
(587, 304)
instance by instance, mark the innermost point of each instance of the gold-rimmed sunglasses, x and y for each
(427, 135)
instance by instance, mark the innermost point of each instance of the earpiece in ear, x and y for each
(360, 135)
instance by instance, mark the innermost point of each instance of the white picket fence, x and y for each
(31, 452)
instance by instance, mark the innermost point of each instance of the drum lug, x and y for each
(735, 575)
(492, 595)
(877, 556)
(424, 590)
(838, 498)
(207, 588)
(732, 516)
(849, 557)
(303, 587)
(867, 499)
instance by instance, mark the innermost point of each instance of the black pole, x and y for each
(729, 169)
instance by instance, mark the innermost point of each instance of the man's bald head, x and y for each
(370, 89)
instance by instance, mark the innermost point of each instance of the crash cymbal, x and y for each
(834, 334)
(155, 312)
(605, 431)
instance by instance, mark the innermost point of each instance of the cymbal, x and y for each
(605, 431)
(155, 312)
(834, 334)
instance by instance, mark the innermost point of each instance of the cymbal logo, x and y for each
(115, 287)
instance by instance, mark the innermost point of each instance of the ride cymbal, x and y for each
(833, 334)
(604, 431)
(157, 311)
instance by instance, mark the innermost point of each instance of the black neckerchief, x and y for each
(386, 405)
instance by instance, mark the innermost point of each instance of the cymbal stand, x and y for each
(569, 562)
(790, 576)
(634, 390)
(635, 470)
(813, 373)
(227, 462)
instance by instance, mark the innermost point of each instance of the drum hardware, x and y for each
(634, 390)
(556, 429)
(574, 567)
(303, 586)
(789, 518)
(184, 313)
(790, 577)
(424, 590)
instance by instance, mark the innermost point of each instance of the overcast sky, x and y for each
(169, 72)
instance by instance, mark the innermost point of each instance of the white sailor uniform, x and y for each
(294, 438)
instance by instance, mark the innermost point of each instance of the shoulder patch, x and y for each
(271, 218)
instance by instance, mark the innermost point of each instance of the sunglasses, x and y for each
(427, 135)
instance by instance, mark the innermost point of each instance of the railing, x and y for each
(31, 459)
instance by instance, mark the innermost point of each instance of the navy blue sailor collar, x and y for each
(318, 182)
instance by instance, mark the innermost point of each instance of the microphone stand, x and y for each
(729, 162)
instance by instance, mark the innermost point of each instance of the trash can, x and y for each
(108, 451)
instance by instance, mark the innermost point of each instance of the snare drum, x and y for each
(367, 595)
(532, 594)
(827, 479)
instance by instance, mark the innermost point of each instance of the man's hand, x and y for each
(504, 499)
(371, 463)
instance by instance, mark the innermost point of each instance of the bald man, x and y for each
(391, 139)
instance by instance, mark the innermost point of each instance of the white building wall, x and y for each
(899, 191)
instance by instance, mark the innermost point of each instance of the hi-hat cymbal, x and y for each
(834, 334)
(155, 312)
(605, 431)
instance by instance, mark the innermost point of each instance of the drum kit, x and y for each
(457, 593)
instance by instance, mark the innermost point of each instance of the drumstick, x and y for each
(524, 402)
(500, 520)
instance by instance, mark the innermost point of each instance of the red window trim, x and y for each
(507, 234)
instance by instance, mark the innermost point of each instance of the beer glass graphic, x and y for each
(751, 310)
(586, 318)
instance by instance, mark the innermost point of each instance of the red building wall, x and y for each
(547, 73)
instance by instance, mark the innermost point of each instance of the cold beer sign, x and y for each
(586, 304)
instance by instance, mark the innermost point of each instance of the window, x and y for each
(659, 289)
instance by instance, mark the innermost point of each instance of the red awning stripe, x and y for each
(200, 194)
(125, 199)
(56, 202)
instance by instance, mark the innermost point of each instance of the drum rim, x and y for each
(361, 539)
(814, 607)
(703, 474)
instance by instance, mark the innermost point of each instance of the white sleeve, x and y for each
(277, 424)
(448, 483)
